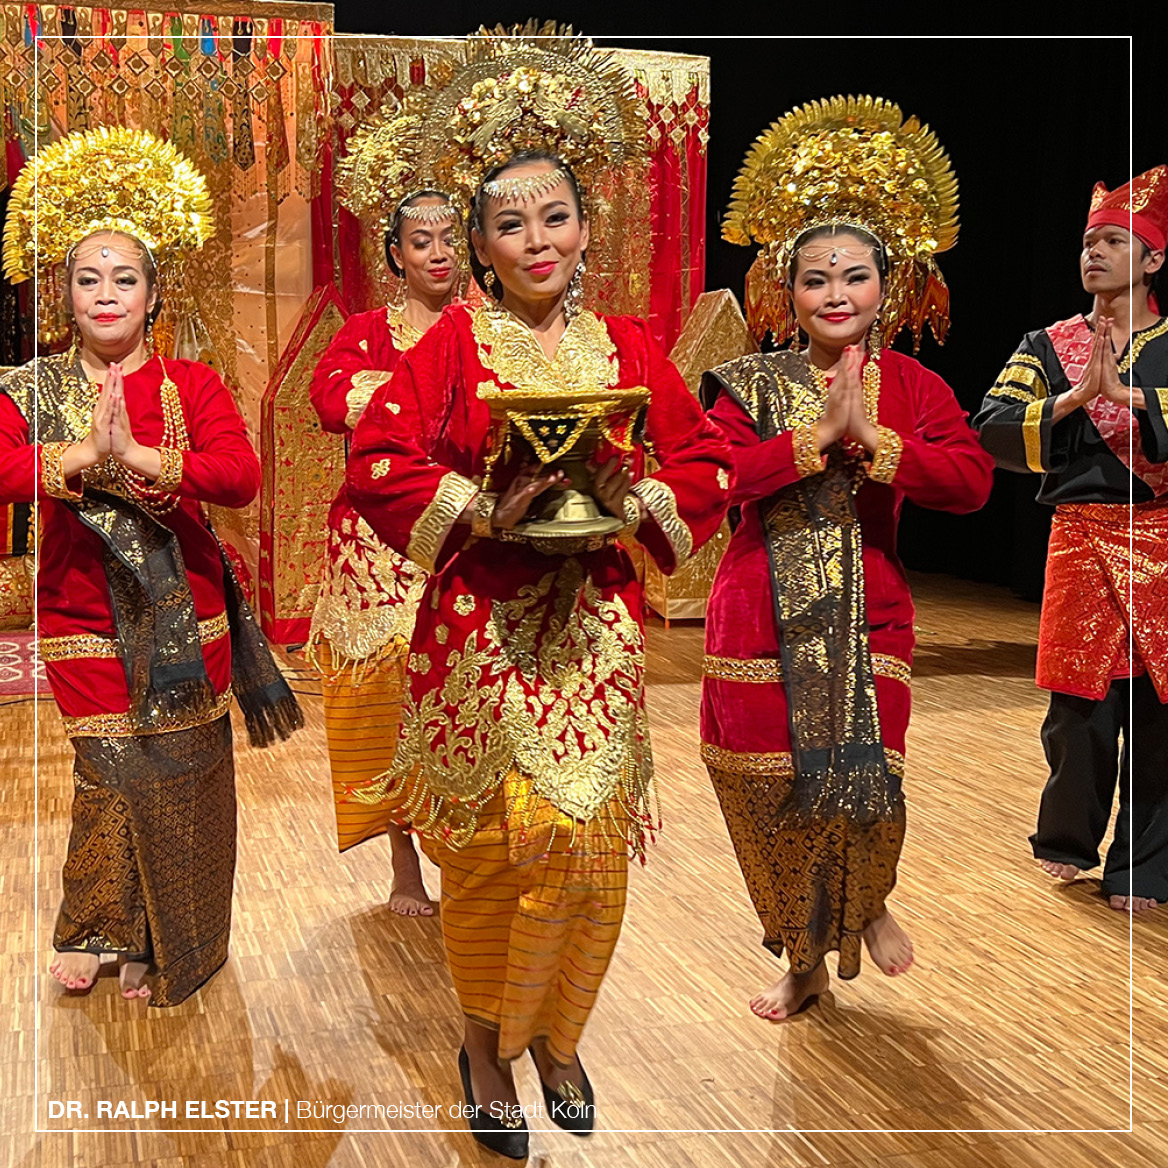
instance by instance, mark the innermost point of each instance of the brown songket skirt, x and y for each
(816, 885)
(152, 854)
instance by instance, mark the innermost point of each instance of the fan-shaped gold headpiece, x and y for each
(851, 161)
(531, 87)
(108, 179)
(386, 166)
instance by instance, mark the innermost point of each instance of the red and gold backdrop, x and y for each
(261, 97)
(244, 91)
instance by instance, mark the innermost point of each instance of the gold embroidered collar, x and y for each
(403, 334)
(585, 359)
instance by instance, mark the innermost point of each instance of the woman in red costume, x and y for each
(142, 629)
(805, 698)
(364, 617)
(525, 761)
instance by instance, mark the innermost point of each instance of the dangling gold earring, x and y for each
(489, 280)
(574, 300)
(149, 339)
(874, 333)
(795, 345)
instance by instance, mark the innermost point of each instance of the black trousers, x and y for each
(1082, 742)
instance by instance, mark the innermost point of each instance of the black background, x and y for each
(1030, 124)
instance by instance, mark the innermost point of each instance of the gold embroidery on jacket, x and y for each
(368, 598)
(78, 646)
(552, 687)
(365, 383)
(440, 515)
(585, 359)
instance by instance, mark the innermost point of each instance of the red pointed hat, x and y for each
(1140, 206)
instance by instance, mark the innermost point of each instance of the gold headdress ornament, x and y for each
(854, 162)
(386, 165)
(532, 87)
(108, 179)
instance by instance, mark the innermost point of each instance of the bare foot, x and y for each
(76, 971)
(788, 995)
(1132, 903)
(132, 979)
(889, 945)
(1059, 871)
(407, 894)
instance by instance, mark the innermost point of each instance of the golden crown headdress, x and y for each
(850, 161)
(531, 87)
(108, 179)
(386, 165)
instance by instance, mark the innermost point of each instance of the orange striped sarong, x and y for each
(361, 722)
(530, 919)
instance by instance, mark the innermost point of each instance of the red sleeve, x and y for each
(942, 464)
(410, 500)
(687, 496)
(345, 378)
(20, 469)
(221, 466)
(760, 468)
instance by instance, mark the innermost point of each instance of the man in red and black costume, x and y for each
(1085, 402)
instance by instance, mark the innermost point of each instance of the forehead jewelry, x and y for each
(430, 213)
(105, 253)
(523, 190)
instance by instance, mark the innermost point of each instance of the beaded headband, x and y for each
(430, 213)
(526, 189)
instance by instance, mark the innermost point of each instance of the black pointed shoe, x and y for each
(508, 1138)
(568, 1106)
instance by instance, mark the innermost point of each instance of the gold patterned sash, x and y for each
(817, 581)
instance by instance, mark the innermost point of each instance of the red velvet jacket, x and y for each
(491, 651)
(369, 593)
(86, 674)
(942, 466)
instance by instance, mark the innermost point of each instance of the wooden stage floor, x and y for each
(1015, 1016)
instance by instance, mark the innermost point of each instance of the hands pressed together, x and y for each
(110, 434)
(1100, 378)
(843, 414)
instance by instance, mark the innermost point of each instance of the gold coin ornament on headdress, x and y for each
(108, 179)
(849, 162)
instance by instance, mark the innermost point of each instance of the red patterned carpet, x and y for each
(22, 673)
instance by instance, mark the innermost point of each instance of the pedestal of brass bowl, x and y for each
(562, 432)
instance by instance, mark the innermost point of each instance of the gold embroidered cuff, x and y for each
(428, 535)
(482, 521)
(170, 476)
(632, 513)
(805, 444)
(661, 502)
(53, 471)
(885, 665)
(885, 461)
(1032, 436)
